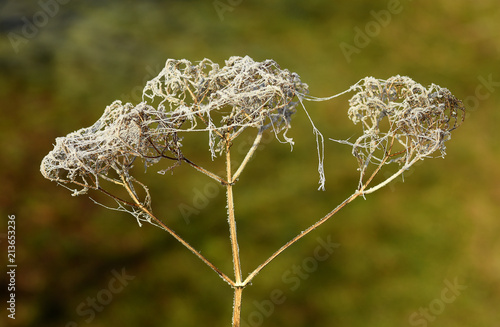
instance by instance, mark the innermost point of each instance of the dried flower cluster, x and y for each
(402, 120)
(122, 134)
(222, 101)
(227, 100)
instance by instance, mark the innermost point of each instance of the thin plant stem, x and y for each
(238, 287)
(392, 177)
(204, 171)
(238, 292)
(232, 220)
(302, 234)
(139, 205)
(249, 155)
(358, 192)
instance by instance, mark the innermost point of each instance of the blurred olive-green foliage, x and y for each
(396, 247)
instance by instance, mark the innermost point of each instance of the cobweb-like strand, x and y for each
(402, 122)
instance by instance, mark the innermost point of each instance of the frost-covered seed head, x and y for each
(184, 97)
(402, 117)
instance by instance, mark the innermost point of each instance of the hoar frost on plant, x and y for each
(401, 120)
(184, 97)
(242, 94)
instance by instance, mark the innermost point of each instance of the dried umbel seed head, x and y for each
(402, 120)
(226, 100)
(123, 133)
(183, 98)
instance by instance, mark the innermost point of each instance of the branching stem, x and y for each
(206, 172)
(249, 155)
(357, 193)
(139, 205)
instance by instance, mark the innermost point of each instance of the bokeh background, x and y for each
(398, 251)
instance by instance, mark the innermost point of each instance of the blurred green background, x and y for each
(399, 249)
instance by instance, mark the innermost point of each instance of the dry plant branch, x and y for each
(232, 221)
(402, 122)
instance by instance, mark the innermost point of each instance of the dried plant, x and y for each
(402, 122)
